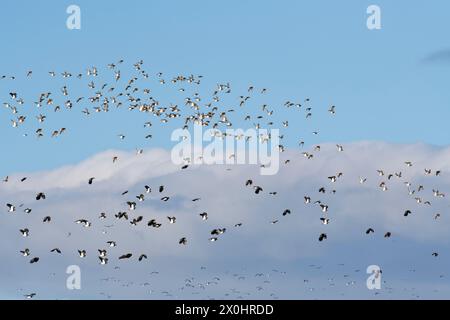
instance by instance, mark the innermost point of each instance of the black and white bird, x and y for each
(126, 256)
(142, 256)
(131, 205)
(34, 260)
(257, 189)
(40, 196)
(172, 219)
(332, 110)
(121, 215)
(436, 193)
(323, 236)
(84, 222)
(102, 252)
(135, 221)
(82, 253)
(111, 243)
(103, 260)
(153, 223)
(25, 232)
(218, 231)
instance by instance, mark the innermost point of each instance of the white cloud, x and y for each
(352, 209)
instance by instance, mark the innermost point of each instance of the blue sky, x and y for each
(390, 89)
(379, 80)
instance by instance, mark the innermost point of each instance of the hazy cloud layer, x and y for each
(293, 262)
(441, 56)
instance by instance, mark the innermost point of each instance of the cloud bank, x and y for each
(441, 56)
(254, 258)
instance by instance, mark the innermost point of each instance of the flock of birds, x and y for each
(206, 111)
